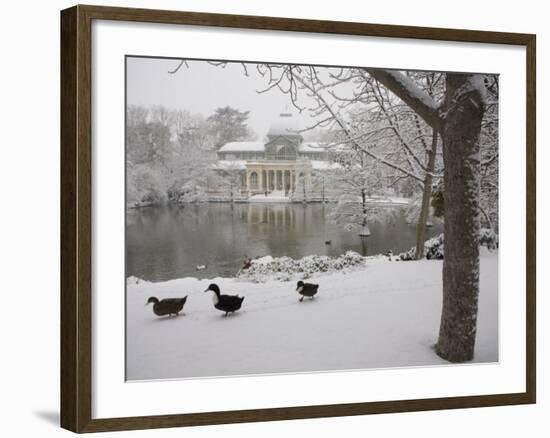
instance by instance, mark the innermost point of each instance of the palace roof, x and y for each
(243, 146)
(230, 165)
(258, 146)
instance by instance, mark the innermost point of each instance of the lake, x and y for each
(168, 243)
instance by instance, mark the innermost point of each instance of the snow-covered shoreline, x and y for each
(286, 269)
(383, 315)
(262, 269)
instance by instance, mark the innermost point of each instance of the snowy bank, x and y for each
(385, 315)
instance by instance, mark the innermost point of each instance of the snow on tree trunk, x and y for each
(464, 106)
(426, 194)
(365, 232)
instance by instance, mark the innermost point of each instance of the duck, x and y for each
(225, 303)
(167, 306)
(306, 289)
(200, 267)
(328, 242)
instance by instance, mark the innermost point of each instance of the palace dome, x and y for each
(286, 124)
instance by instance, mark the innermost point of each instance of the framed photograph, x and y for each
(269, 219)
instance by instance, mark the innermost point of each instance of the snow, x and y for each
(285, 124)
(285, 268)
(258, 146)
(412, 88)
(230, 164)
(384, 315)
(365, 231)
(393, 200)
(474, 82)
(324, 165)
(386, 200)
(242, 146)
(434, 248)
(311, 147)
(274, 196)
(135, 280)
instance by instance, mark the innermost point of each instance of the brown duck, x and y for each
(167, 306)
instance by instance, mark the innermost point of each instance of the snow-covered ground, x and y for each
(385, 315)
(389, 200)
(274, 196)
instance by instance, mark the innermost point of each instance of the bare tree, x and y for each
(229, 178)
(354, 182)
(136, 115)
(458, 120)
(302, 191)
(370, 119)
(489, 157)
(161, 114)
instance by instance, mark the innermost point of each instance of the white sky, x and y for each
(202, 88)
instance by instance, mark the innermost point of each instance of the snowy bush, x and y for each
(191, 192)
(433, 250)
(408, 255)
(287, 269)
(145, 186)
(434, 247)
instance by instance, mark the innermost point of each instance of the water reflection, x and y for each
(168, 243)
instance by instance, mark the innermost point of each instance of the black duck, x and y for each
(306, 289)
(167, 306)
(225, 303)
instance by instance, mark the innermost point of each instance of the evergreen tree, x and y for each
(228, 124)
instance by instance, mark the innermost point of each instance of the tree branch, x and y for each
(410, 93)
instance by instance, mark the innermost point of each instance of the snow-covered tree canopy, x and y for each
(169, 154)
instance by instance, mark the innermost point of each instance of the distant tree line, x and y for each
(169, 153)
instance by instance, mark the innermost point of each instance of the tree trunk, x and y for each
(459, 125)
(426, 194)
(365, 232)
(464, 108)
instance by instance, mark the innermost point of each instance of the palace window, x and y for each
(254, 180)
(286, 153)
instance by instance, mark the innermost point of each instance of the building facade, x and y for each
(280, 164)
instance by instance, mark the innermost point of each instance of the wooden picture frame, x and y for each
(76, 218)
